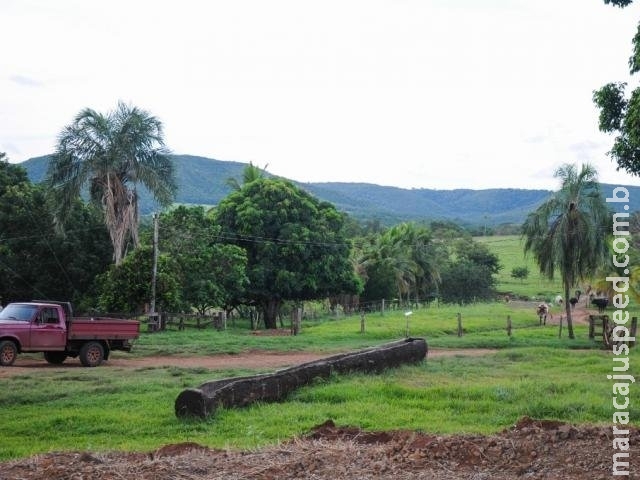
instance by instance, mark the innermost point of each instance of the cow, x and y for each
(543, 312)
(601, 303)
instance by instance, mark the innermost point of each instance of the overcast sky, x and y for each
(412, 93)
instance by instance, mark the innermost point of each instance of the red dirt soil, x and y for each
(531, 449)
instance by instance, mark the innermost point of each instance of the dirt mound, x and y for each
(531, 449)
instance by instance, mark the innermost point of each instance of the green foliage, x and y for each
(468, 276)
(620, 115)
(36, 261)
(295, 244)
(405, 256)
(110, 155)
(249, 174)
(126, 287)
(211, 274)
(380, 282)
(446, 230)
(520, 273)
(464, 281)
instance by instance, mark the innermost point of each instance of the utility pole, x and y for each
(154, 274)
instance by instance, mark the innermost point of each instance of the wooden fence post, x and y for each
(509, 325)
(633, 330)
(296, 316)
(560, 331)
(459, 324)
(361, 322)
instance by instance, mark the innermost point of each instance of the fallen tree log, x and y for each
(241, 391)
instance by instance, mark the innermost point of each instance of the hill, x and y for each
(202, 181)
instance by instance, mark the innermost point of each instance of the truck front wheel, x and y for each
(91, 354)
(55, 358)
(8, 353)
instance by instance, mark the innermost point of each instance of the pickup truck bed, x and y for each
(92, 328)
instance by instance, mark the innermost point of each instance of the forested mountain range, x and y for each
(203, 181)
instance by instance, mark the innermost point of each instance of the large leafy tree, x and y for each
(468, 275)
(620, 113)
(567, 234)
(296, 247)
(112, 155)
(211, 273)
(35, 260)
(126, 288)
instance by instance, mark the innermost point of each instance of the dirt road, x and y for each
(253, 359)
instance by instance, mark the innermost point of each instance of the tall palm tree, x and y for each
(568, 232)
(111, 154)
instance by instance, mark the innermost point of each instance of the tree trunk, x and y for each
(271, 309)
(567, 307)
(242, 391)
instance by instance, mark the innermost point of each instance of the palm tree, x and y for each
(111, 154)
(250, 173)
(568, 232)
(405, 250)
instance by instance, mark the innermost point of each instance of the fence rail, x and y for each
(180, 321)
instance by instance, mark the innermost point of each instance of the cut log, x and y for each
(242, 391)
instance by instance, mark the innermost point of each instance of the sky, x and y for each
(436, 94)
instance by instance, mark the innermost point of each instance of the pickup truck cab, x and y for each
(49, 327)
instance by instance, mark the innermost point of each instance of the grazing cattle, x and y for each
(543, 312)
(601, 303)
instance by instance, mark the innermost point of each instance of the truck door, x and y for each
(48, 331)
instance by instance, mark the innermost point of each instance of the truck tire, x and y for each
(55, 358)
(8, 353)
(91, 354)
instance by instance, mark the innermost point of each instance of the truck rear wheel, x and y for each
(56, 358)
(91, 354)
(8, 353)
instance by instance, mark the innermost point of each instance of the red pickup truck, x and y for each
(49, 327)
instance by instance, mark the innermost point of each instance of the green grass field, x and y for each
(509, 249)
(532, 373)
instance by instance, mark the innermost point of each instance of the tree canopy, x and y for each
(296, 247)
(468, 274)
(619, 113)
(36, 261)
(211, 273)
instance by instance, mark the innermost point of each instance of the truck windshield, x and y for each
(23, 313)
